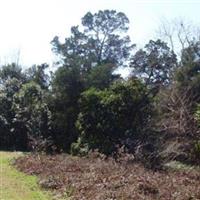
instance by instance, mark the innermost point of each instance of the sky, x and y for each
(28, 26)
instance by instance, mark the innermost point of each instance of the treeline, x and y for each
(84, 105)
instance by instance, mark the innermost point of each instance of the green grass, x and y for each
(15, 185)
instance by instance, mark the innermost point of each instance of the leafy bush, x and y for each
(197, 114)
(110, 117)
(196, 147)
(32, 114)
(9, 139)
(197, 150)
(188, 74)
(79, 148)
(66, 89)
(101, 76)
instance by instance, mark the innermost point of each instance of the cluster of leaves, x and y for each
(112, 116)
(155, 63)
(31, 111)
(10, 83)
(99, 43)
(25, 114)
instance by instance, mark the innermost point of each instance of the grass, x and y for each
(15, 185)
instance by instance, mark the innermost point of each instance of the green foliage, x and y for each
(102, 29)
(66, 89)
(4, 131)
(11, 71)
(99, 43)
(101, 77)
(85, 106)
(88, 59)
(197, 114)
(79, 147)
(196, 149)
(32, 115)
(107, 117)
(187, 76)
(155, 63)
(37, 74)
(11, 79)
(23, 105)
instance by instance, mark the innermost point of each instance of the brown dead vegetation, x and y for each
(97, 178)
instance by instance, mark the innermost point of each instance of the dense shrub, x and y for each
(187, 77)
(112, 116)
(196, 152)
(101, 76)
(32, 115)
(197, 114)
(9, 139)
(196, 144)
(67, 86)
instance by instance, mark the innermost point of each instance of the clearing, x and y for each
(98, 178)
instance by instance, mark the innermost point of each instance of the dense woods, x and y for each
(84, 105)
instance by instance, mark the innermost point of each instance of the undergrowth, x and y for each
(96, 177)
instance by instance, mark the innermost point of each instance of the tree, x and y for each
(188, 75)
(23, 106)
(154, 64)
(11, 71)
(101, 77)
(99, 43)
(110, 116)
(32, 114)
(88, 59)
(7, 91)
(11, 80)
(74, 51)
(37, 74)
(66, 89)
(178, 33)
(103, 30)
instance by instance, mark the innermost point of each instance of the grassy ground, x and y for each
(15, 185)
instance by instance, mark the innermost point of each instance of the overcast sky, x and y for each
(28, 26)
